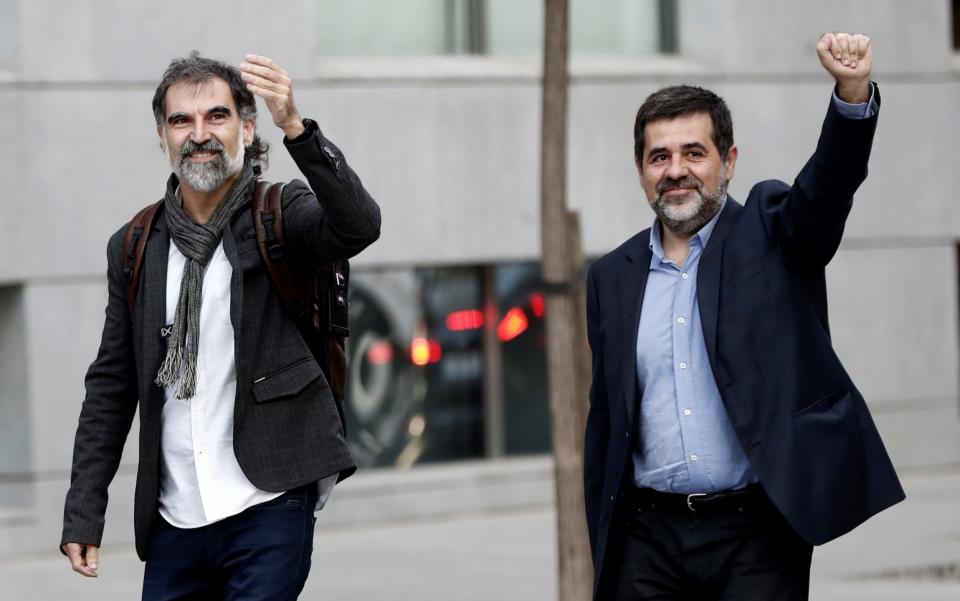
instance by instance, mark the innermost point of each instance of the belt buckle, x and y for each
(690, 499)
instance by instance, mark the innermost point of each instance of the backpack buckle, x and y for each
(275, 251)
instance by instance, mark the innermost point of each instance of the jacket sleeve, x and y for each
(106, 414)
(335, 217)
(807, 221)
(597, 435)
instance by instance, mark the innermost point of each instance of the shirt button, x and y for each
(687, 412)
(694, 457)
(680, 320)
(684, 276)
(683, 366)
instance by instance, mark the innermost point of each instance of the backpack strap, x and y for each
(336, 278)
(268, 224)
(134, 244)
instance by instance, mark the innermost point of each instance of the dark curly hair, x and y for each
(197, 69)
(675, 101)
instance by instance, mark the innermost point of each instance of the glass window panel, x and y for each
(432, 27)
(377, 28)
(614, 27)
(600, 27)
(384, 391)
(415, 386)
(955, 6)
(514, 28)
(525, 396)
(453, 403)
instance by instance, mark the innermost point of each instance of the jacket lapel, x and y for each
(236, 280)
(632, 285)
(708, 276)
(153, 300)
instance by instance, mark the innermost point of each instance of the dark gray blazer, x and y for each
(287, 430)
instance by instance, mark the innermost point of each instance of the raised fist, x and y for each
(849, 59)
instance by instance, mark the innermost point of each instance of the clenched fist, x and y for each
(848, 58)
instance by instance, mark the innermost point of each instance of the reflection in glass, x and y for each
(418, 364)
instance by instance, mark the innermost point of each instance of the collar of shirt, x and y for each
(701, 238)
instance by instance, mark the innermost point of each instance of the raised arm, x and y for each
(335, 218)
(808, 219)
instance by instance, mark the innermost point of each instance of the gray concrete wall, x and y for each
(449, 148)
(758, 37)
(95, 41)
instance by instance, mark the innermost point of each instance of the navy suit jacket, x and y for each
(763, 305)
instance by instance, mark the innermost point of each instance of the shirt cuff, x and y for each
(862, 110)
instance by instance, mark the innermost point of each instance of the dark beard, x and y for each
(709, 205)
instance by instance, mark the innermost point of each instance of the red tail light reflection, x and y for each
(469, 319)
(538, 305)
(380, 353)
(424, 351)
(512, 325)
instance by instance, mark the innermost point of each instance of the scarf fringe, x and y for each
(171, 367)
(188, 382)
(176, 369)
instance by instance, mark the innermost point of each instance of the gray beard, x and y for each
(689, 223)
(209, 176)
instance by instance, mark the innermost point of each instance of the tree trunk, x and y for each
(566, 340)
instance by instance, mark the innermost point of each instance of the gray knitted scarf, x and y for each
(197, 242)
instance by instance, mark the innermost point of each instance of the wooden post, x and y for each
(566, 341)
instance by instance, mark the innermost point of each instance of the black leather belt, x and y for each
(730, 501)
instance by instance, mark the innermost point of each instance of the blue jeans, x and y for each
(262, 553)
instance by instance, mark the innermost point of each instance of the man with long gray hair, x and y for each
(240, 436)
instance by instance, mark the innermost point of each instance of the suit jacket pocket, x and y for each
(823, 403)
(287, 381)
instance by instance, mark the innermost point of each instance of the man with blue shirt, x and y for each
(724, 438)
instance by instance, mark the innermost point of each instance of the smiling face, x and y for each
(682, 172)
(203, 133)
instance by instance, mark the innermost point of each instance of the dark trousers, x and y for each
(262, 553)
(739, 554)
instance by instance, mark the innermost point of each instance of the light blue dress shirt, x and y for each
(687, 444)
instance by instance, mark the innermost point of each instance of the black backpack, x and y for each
(317, 301)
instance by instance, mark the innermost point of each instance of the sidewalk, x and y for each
(509, 555)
